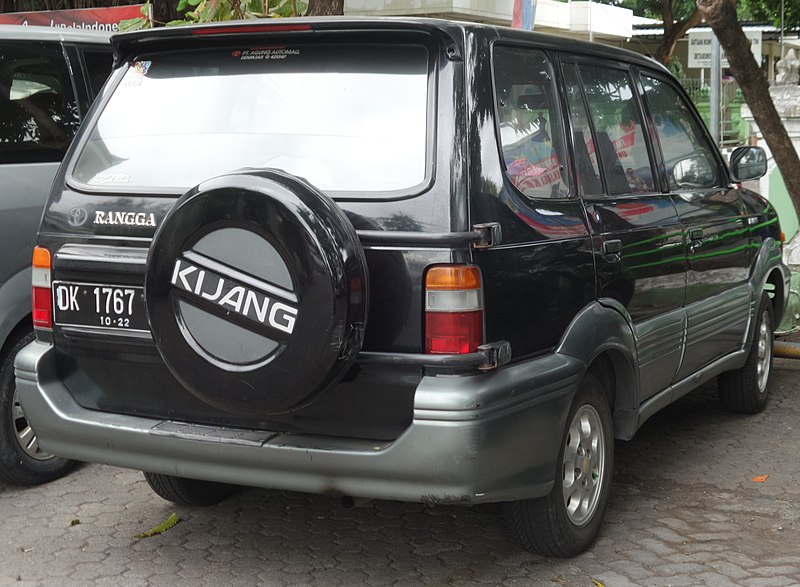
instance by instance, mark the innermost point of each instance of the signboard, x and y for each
(524, 14)
(97, 19)
(700, 48)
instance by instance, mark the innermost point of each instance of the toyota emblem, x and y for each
(77, 216)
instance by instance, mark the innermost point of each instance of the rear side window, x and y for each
(346, 118)
(529, 120)
(38, 113)
(619, 137)
(688, 157)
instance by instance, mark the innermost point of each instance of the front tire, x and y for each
(566, 522)
(746, 390)
(193, 492)
(22, 461)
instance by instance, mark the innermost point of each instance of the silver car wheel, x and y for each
(25, 435)
(764, 349)
(584, 465)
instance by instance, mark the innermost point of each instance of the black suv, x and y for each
(397, 259)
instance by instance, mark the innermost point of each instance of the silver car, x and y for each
(48, 79)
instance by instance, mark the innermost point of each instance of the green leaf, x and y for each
(179, 22)
(133, 24)
(284, 11)
(182, 4)
(170, 522)
(251, 6)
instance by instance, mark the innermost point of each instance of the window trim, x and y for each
(563, 63)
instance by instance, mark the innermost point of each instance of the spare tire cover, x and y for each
(256, 292)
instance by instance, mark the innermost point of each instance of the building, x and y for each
(603, 23)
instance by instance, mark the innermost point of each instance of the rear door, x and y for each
(714, 224)
(541, 275)
(38, 117)
(637, 234)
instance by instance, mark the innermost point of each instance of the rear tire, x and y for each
(22, 461)
(746, 390)
(566, 522)
(193, 492)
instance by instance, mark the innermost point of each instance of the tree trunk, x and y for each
(721, 15)
(325, 7)
(164, 11)
(673, 31)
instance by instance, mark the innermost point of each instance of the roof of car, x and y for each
(130, 42)
(45, 33)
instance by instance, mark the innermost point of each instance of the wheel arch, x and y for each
(15, 300)
(771, 275)
(774, 286)
(22, 327)
(601, 337)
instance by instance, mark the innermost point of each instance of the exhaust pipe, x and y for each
(787, 350)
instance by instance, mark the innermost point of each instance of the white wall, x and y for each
(551, 15)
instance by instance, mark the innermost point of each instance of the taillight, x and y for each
(453, 309)
(42, 298)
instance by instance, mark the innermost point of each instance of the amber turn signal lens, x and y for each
(453, 277)
(41, 258)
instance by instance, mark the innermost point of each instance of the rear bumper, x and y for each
(477, 438)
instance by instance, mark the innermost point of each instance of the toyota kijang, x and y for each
(393, 258)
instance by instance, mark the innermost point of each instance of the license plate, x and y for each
(89, 305)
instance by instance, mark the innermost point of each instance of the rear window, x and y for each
(346, 118)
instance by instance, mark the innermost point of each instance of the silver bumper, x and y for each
(479, 438)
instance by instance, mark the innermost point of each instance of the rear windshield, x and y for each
(346, 118)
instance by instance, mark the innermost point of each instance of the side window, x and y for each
(529, 120)
(618, 130)
(585, 156)
(98, 66)
(688, 157)
(38, 114)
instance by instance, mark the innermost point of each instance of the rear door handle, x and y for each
(612, 249)
(695, 238)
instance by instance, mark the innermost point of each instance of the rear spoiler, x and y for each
(131, 44)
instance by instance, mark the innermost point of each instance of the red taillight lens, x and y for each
(453, 333)
(42, 307)
(453, 309)
(42, 300)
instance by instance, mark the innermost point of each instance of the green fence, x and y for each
(733, 129)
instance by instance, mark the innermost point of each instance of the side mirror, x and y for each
(693, 172)
(748, 163)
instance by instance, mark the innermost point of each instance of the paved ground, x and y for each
(685, 512)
